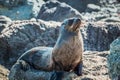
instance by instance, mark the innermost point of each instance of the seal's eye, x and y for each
(70, 22)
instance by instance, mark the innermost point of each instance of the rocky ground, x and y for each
(95, 67)
(28, 23)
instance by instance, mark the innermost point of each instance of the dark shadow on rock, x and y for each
(87, 79)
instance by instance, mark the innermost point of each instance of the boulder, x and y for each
(23, 35)
(95, 67)
(92, 7)
(56, 11)
(80, 5)
(22, 12)
(12, 3)
(99, 35)
(4, 22)
(18, 73)
(114, 60)
(3, 73)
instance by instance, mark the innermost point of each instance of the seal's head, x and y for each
(72, 24)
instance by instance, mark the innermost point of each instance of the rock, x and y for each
(114, 60)
(112, 19)
(95, 67)
(98, 36)
(27, 11)
(17, 73)
(23, 35)
(105, 14)
(118, 0)
(4, 22)
(80, 5)
(103, 2)
(56, 11)
(12, 3)
(92, 7)
(3, 73)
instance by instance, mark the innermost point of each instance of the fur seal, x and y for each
(66, 55)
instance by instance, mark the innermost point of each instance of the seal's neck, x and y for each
(68, 39)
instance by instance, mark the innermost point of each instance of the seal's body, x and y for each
(38, 57)
(66, 55)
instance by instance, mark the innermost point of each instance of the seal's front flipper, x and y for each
(78, 69)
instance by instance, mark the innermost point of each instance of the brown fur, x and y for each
(68, 53)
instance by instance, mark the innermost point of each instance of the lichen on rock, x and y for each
(114, 60)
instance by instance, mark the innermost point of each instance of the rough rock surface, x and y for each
(107, 11)
(56, 11)
(3, 73)
(114, 60)
(23, 35)
(22, 12)
(4, 22)
(12, 3)
(17, 73)
(98, 36)
(82, 4)
(94, 67)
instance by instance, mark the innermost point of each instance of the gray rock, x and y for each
(23, 35)
(118, 0)
(3, 73)
(98, 36)
(4, 22)
(27, 11)
(18, 73)
(114, 60)
(12, 3)
(92, 7)
(111, 19)
(80, 5)
(56, 11)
